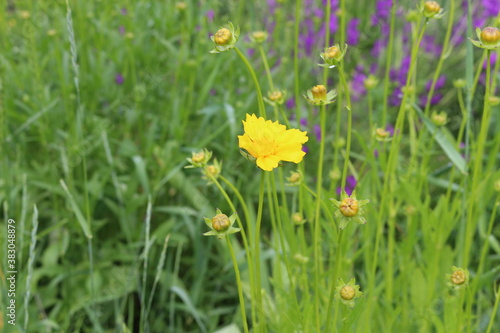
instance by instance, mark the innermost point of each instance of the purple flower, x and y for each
(119, 79)
(389, 128)
(358, 89)
(124, 11)
(303, 122)
(383, 9)
(493, 60)
(317, 132)
(436, 98)
(429, 45)
(305, 149)
(350, 185)
(439, 83)
(491, 8)
(210, 15)
(121, 29)
(353, 32)
(290, 103)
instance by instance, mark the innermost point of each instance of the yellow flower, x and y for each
(270, 142)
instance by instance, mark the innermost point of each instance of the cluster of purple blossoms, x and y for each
(350, 185)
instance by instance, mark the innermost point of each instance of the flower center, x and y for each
(349, 207)
(347, 292)
(458, 277)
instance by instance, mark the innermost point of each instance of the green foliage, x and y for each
(101, 102)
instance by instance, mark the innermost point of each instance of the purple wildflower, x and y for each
(121, 29)
(491, 8)
(290, 103)
(353, 32)
(436, 98)
(119, 79)
(358, 89)
(350, 185)
(317, 132)
(439, 83)
(210, 15)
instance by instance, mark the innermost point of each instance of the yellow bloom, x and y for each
(270, 142)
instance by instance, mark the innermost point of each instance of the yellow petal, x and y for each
(268, 163)
(291, 155)
(246, 143)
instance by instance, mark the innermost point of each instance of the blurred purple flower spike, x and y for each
(350, 185)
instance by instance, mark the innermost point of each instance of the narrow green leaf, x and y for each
(79, 215)
(444, 142)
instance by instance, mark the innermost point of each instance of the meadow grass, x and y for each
(103, 104)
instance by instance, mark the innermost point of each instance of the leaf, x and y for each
(444, 142)
(84, 224)
(184, 296)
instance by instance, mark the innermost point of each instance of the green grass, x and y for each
(109, 223)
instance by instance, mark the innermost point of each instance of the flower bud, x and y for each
(347, 292)
(298, 219)
(259, 36)
(490, 36)
(439, 119)
(25, 14)
(371, 82)
(431, 9)
(318, 95)
(276, 96)
(349, 207)
(494, 100)
(221, 222)
(459, 83)
(198, 157)
(382, 135)
(335, 174)
(333, 52)
(458, 279)
(181, 5)
(223, 36)
(497, 185)
(333, 55)
(319, 92)
(339, 143)
(412, 15)
(300, 259)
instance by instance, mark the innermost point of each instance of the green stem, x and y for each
(478, 162)
(388, 64)
(349, 126)
(333, 282)
(266, 67)
(260, 99)
(391, 163)
(298, 7)
(494, 311)
(240, 199)
(258, 222)
(240, 224)
(444, 55)
(327, 36)
(284, 250)
(317, 227)
(238, 283)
